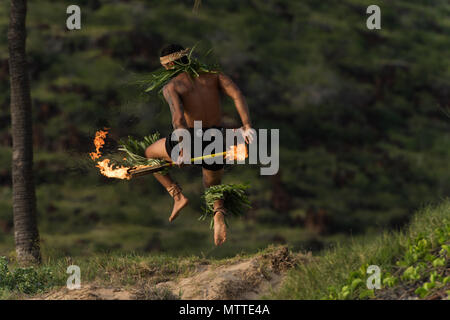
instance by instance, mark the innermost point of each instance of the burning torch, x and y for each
(109, 170)
(238, 152)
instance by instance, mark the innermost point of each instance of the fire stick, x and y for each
(136, 172)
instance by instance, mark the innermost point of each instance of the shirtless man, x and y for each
(192, 99)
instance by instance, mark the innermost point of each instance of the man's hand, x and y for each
(248, 133)
(180, 161)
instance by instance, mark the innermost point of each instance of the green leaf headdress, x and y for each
(160, 77)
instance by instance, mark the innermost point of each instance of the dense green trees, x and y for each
(363, 137)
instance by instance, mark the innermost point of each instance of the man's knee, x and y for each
(212, 178)
(148, 152)
(157, 150)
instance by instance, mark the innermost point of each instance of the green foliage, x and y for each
(135, 151)
(405, 258)
(415, 266)
(355, 285)
(364, 128)
(27, 280)
(235, 198)
(428, 263)
(389, 280)
(159, 78)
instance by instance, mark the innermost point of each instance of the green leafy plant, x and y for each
(423, 263)
(27, 280)
(389, 280)
(354, 285)
(435, 281)
(235, 198)
(412, 273)
(135, 151)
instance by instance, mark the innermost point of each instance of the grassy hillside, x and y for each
(414, 264)
(363, 138)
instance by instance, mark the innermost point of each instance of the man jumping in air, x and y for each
(196, 99)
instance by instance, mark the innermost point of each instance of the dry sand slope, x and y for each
(248, 278)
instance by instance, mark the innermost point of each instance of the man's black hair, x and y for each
(171, 48)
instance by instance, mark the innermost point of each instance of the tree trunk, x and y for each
(24, 198)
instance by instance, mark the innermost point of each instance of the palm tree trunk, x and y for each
(24, 197)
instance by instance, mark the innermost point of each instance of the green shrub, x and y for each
(27, 280)
(422, 265)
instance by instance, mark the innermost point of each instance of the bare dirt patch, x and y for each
(241, 279)
(237, 278)
(88, 292)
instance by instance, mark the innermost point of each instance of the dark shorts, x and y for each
(214, 166)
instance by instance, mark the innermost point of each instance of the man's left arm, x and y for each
(232, 90)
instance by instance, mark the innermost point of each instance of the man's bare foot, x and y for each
(220, 229)
(180, 201)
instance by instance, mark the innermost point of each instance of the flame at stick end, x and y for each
(107, 169)
(238, 152)
(99, 142)
(110, 171)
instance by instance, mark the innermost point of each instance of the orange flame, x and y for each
(110, 171)
(105, 167)
(99, 141)
(238, 152)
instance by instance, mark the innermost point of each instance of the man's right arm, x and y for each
(175, 105)
(177, 111)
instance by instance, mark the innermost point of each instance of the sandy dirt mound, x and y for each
(239, 278)
(89, 292)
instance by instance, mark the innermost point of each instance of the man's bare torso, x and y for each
(200, 97)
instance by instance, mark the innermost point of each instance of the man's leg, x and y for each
(212, 178)
(158, 151)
